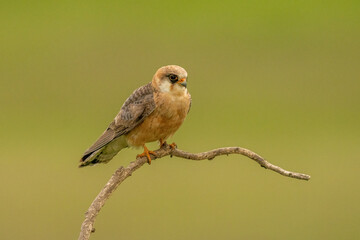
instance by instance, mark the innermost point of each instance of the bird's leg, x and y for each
(162, 142)
(147, 153)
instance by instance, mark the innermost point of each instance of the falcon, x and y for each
(153, 112)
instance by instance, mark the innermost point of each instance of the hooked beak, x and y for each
(182, 82)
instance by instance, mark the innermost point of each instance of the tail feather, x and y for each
(104, 154)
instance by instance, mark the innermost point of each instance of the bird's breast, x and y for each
(172, 106)
(163, 122)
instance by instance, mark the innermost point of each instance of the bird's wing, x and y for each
(135, 109)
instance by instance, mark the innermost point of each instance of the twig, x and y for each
(122, 173)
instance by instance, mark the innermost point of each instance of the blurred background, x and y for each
(281, 78)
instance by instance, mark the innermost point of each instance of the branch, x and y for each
(122, 173)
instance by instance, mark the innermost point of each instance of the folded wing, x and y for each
(136, 108)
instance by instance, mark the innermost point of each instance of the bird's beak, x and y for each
(182, 82)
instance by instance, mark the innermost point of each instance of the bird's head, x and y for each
(171, 79)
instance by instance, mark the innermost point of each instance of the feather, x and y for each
(135, 109)
(104, 139)
(106, 153)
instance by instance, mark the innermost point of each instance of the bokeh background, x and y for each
(281, 78)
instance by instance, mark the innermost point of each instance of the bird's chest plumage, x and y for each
(163, 122)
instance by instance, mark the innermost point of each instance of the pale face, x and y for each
(171, 79)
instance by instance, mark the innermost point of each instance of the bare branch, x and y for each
(122, 173)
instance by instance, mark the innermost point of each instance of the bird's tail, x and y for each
(104, 154)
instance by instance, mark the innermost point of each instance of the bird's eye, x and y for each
(173, 78)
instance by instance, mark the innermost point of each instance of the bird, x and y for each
(153, 112)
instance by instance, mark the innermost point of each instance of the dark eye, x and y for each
(173, 78)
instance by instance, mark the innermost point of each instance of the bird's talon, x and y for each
(162, 143)
(173, 146)
(147, 153)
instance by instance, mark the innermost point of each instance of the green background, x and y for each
(281, 78)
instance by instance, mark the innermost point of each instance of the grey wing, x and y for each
(107, 136)
(136, 108)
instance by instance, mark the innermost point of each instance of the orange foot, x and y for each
(163, 143)
(173, 145)
(147, 154)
